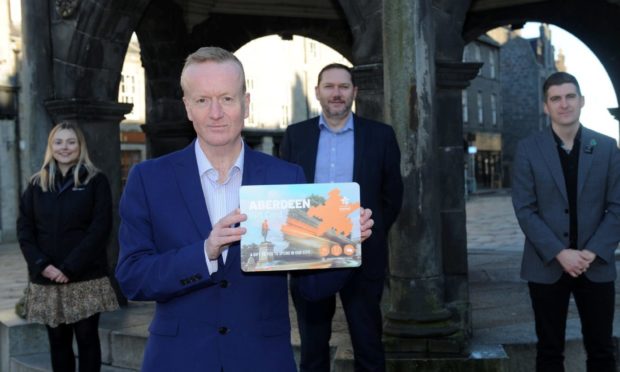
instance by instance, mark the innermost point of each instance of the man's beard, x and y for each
(338, 113)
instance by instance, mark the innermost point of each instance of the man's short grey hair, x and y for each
(212, 54)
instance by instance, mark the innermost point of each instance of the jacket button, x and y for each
(223, 330)
(224, 284)
(566, 211)
(565, 234)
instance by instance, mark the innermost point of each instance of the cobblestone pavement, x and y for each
(501, 308)
(492, 225)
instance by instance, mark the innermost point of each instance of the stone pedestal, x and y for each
(19, 338)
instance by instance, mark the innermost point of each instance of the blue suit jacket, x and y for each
(541, 204)
(376, 168)
(232, 320)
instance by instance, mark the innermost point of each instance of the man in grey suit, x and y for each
(566, 195)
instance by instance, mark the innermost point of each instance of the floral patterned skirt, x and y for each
(57, 304)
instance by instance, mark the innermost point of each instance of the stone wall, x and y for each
(520, 76)
(9, 181)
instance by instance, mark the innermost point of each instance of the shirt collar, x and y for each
(348, 125)
(204, 165)
(559, 141)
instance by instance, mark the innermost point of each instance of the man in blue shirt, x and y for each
(339, 146)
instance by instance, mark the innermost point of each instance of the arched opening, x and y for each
(281, 74)
(132, 89)
(504, 102)
(578, 59)
(526, 56)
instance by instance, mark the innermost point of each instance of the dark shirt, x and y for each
(570, 164)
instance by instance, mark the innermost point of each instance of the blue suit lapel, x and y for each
(359, 137)
(585, 157)
(548, 148)
(308, 163)
(252, 169)
(253, 174)
(185, 170)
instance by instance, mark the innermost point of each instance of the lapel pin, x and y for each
(590, 148)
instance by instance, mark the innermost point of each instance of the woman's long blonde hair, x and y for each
(46, 176)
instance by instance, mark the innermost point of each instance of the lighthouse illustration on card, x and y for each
(300, 227)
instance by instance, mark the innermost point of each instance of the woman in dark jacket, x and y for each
(64, 223)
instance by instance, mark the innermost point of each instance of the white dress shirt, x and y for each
(221, 198)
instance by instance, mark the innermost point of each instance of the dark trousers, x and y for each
(89, 349)
(595, 304)
(361, 300)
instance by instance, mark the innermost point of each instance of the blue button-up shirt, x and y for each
(334, 157)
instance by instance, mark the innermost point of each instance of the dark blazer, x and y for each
(376, 168)
(230, 320)
(68, 227)
(541, 204)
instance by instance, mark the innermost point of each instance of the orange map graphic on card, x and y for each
(294, 227)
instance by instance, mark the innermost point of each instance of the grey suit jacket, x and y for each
(541, 204)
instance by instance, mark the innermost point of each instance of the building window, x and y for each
(127, 90)
(285, 116)
(251, 120)
(494, 110)
(492, 63)
(477, 57)
(128, 159)
(465, 106)
(477, 53)
(480, 109)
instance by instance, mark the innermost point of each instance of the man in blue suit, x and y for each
(179, 238)
(566, 196)
(339, 146)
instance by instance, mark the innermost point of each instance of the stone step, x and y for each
(124, 333)
(479, 358)
(41, 363)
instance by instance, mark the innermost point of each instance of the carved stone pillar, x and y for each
(100, 123)
(36, 85)
(418, 321)
(369, 81)
(452, 77)
(164, 138)
(615, 112)
(365, 20)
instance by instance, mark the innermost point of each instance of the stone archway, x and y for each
(86, 46)
(594, 23)
(165, 44)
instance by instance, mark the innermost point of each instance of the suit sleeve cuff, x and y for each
(211, 264)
